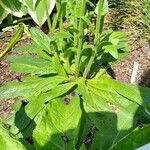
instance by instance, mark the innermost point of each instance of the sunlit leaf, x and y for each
(8, 141)
(3, 14)
(33, 65)
(37, 10)
(41, 39)
(59, 122)
(14, 7)
(135, 139)
(30, 86)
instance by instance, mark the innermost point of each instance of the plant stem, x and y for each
(55, 19)
(98, 32)
(61, 27)
(99, 20)
(80, 38)
(13, 41)
(58, 17)
(75, 26)
(48, 17)
(22, 20)
(88, 67)
(3, 25)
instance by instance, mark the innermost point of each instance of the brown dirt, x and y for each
(131, 20)
(124, 68)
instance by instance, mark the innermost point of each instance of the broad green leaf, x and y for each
(105, 8)
(33, 65)
(33, 49)
(141, 94)
(41, 39)
(115, 37)
(45, 83)
(8, 141)
(93, 100)
(26, 114)
(127, 91)
(37, 9)
(59, 91)
(36, 104)
(32, 86)
(112, 49)
(28, 130)
(14, 7)
(135, 139)
(118, 126)
(105, 129)
(59, 122)
(103, 89)
(62, 35)
(3, 14)
(119, 39)
(125, 113)
(86, 20)
(126, 120)
(26, 117)
(10, 90)
(57, 64)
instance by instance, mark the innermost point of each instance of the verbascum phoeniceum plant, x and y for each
(66, 100)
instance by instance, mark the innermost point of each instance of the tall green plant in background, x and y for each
(19, 8)
(67, 101)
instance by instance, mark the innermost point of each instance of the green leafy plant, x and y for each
(36, 9)
(67, 99)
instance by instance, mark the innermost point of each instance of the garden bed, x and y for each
(121, 71)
